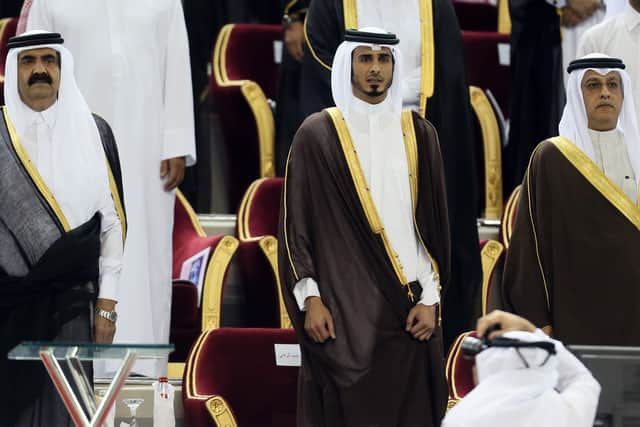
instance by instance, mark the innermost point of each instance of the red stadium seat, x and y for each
(459, 371)
(483, 64)
(231, 379)
(244, 77)
(188, 318)
(257, 230)
(7, 30)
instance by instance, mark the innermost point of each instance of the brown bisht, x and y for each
(573, 258)
(374, 373)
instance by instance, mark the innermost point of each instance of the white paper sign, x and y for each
(287, 354)
(277, 51)
(193, 270)
(504, 54)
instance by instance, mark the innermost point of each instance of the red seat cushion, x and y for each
(239, 365)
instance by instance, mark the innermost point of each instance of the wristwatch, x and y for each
(111, 316)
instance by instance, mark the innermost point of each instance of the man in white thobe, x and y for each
(133, 69)
(619, 37)
(526, 387)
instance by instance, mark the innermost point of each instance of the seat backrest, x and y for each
(459, 370)
(189, 237)
(484, 68)
(7, 30)
(260, 208)
(247, 53)
(509, 216)
(489, 160)
(239, 364)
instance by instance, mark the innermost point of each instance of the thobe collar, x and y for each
(361, 114)
(614, 135)
(47, 116)
(631, 18)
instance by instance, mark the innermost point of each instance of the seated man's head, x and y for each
(39, 77)
(603, 96)
(371, 73)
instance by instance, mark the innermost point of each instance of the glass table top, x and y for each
(30, 350)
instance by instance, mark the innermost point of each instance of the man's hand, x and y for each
(105, 329)
(584, 8)
(318, 323)
(294, 40)
(421, 321)
(172, 170)
(507, 321)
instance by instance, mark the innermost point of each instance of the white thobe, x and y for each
(37, 141)
(618, 37)
(132, 66)
(612, 158)
(401, 17)
(377, 137)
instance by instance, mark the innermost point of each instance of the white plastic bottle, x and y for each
(163, 395)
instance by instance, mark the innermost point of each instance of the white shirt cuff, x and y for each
(304, 289)
(108, 287)
(430, 293)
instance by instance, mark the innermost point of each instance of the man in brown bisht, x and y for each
(572, 265)
(364, 249)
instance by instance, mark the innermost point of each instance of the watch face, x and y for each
(113, 316)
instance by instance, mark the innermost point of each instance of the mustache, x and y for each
(40, 77)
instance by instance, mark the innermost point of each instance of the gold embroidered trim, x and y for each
(504, 17)
(490, 256)
(214, 281)
(509, 214)
(350, 14)
(492, 145)
(364, 195)
(289, 6)
(255, 98)
(533, 227)
(284, 208)
(117, 202)
(598, 179)
(34, 174)
(427, 54)
(411, 150)
(310, 46)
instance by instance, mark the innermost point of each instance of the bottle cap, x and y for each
(163, 379)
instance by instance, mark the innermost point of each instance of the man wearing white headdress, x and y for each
(365, 248)
(61, 222)
(571, 266)
(133, 69)
(536, 385)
